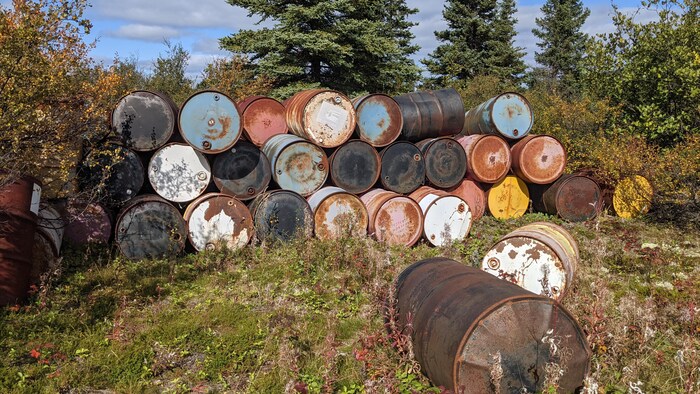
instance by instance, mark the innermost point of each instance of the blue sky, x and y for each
(137, 28)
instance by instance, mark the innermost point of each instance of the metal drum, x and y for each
(52, 226)
(150, 227)
(262, 117)
(539, 159)
(355, 166)
(282, 215)
(242, 171)
(338, 214)
(325, 117)
(430, 114)
(632, 197)
(445, 161)
(114, 173)
(393, 218)
(447, 218)
(296, 164)
(403, 167)
(472, 193)
(474, 333)
(488, 157)
(19, 208)
(43, 257)
(210, 122)
(215, 220)
(539, 257)
(87, 222)
(509, 198)
(508, 115)
(179, 173)
(144, 120)
(573, 197)
(379, 120)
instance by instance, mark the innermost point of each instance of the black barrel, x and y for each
(242, 171)
(575, 198)
(403, 167)
(282, 215)
(113, 172)
(445, 161)
(355, 166)
(430, 114)
(144, 121)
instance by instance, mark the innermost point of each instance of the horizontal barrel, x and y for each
(179, 173)
(446, 217)
(52, 226)
(509, 198)
(242, 171)
(632, 197)
(87, 222)
(262, 117)
(282, 215)
(325, 117)
(216, 220)
(403, 167)
(355, 166)
(539, 159)
(472, 193)
(144, 121)
(210, 121)
(488, 157)
(508, 115)
(393, 218)
(431, 114)
(574, 198)
(296, 164)
(113, 172)
(338, 214)
(445, 161)
(379, 120)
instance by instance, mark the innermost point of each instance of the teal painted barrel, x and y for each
(508, 115)
(210, 121)
(297, 164)
(379, 120)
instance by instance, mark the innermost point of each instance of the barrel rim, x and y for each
(361, 100)
(527, 102)
(138, 200)
(239, 132)
(374, 154)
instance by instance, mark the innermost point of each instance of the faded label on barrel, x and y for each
(333, 116)
(36, 198)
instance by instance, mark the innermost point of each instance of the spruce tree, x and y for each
(505, 59)
(352, 46)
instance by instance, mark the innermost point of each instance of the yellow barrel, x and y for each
(633, 197)
(509, 198)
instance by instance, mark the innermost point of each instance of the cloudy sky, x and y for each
(138, 28)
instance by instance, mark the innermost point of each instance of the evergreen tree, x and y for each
(505, 59)
(351, 46)
(169, 73)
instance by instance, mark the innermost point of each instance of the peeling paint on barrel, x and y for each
(216, 220)
(282, 215)
(403, 167)
(539, 159)
(338, 214)
(242, 171)
(393, 218)
(488, 157)
(379, 120)
(445, 161)
(179, 173)
(325, 117)
(262, 117)
(471, 192)
(296, 164)
(210, 122)
(355, 166)
(446, 217)
(508, 115)
(144, 120)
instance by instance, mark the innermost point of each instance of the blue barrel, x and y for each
(379, 120)
(297, 164)
(209, 121)
(508, 115)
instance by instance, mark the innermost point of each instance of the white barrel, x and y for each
(217, 219)
(52, 226)
(447, 218)
(179, 173)
(338, 213)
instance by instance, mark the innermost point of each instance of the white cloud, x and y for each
(145, 32)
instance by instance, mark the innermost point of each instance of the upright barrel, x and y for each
(210, 122)
(150, 227)
(87, 222)
(445, 161)
(509, 198)
(540, 257)
(447, 218)
(262, 118)
(242, 171)
(355, 166)
(403, 167)
(216, 219)
(632, 197)
(508, 115)
(19, 208)
(472, 193)
(379, 120)
(574, 198)
(113, 172)
(325, 117)
(465, 324)
(296, 164)
(539, 159)
(338, 213)
(430, 114)
(178, 173)
(282, 215)
(488, 157)
(393, 218)
(144, 120)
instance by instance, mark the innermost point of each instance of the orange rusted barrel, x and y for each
(217, 219)
(474, 333)
(325, 117)
(539, 159)
(471, 192)
(393, 218)
(509, 198)
(446, 217)
(262, 118)
(575, 198)
(355, 166)
(338, 214)
(488, 157)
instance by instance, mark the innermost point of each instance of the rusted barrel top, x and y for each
(325, 117)
(393, 218)
(445, 161)
(471, 192)
(539, 159)
(574, 198)
(488, 157)
(446, 217)
(215, 220)
(296, 164)
(282, 215)
(508, 115)
(179, 173)
(431, 114)
(338, 213)
(379, 120)
(209, 121)
(144, 120)
(355, 166)
(242, 171)
(262, 117)
(403, 167)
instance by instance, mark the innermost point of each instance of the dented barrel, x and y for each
(539, 159)
(179, 173)
(403, 167)
(87, 222)
(471, 192)
(355, 166)
(446, 217)
(445, 161)
(242, 171)
(325, 117)
(209, 121)
(296, 164)
(574, 198)
(509, 198)
(379, 120)
(114, 173)
(282, 215)
(431, 114)
(488, 157)
(540, 257)
(262, 117)
(338, 214)
(508, 115)
(144, 120)
(218, 220)
(474, 333)
(393, 218)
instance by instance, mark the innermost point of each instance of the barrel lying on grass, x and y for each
(338, 213)
(509, 198)
(282, 215)
(393, 218)
(218, 220)
(574, 198)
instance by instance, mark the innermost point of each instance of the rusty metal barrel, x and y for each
(575, 198)
(218, 220)
(540, 257)
(508, 115)
(488, 157)
(393, 218)
(338, 214)
(325, 117)
(355, 166)
(282, 215)
(474, 333)
(19, 208)
(179, 173)
(242, 171)
(114, 173)
(403, 167)
(209, 121)
(509, 198)
(296, 164)
(262, 117)
(431, 114)
(471, 192)
(144, 121)
(379, 120)
(87, 222)
(150, 227)
(447, 218)
(445, 161)
(539, 159)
